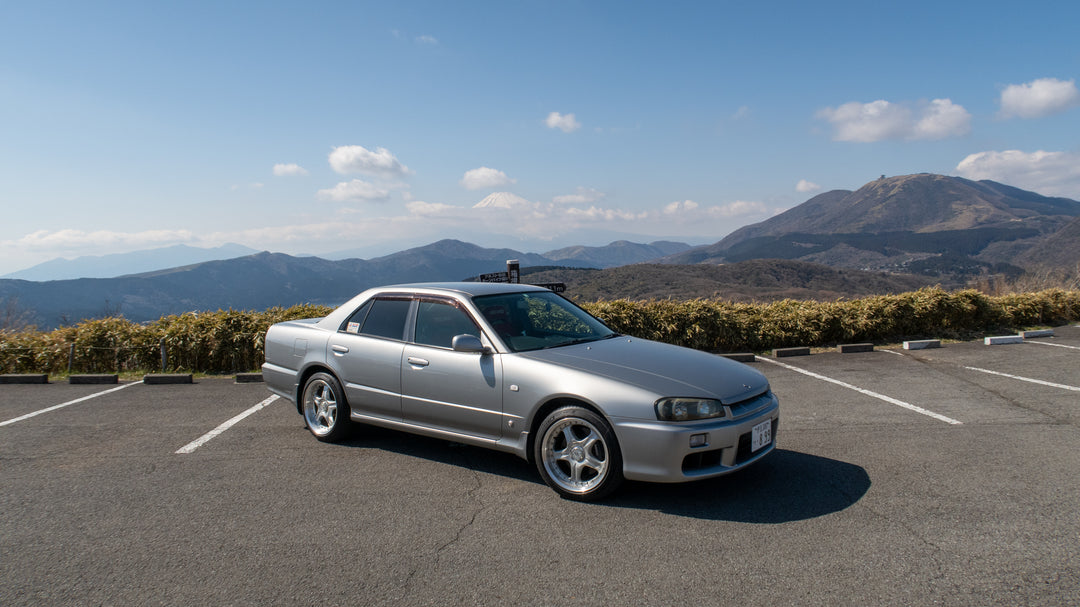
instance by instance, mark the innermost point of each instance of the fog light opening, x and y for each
(699, 440)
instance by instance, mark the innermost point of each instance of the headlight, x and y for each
(686, 409)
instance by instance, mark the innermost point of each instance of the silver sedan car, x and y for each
(521, 369)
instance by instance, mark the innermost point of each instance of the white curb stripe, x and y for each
(70, 402)
(1027, 379)
(887, 399)
(1045, 343)
(202, 440)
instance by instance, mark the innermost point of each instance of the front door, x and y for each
(447, 390)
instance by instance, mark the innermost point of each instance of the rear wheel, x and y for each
(577, 454)
(325, 411)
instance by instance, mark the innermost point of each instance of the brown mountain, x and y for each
(928, 224)
(757, 280)
(1058, 250)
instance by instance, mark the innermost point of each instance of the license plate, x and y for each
(760, 435)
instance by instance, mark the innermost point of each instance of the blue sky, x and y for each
(310, 128)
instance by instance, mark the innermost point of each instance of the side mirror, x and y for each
(468, 343)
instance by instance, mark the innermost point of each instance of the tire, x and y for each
(577, 454)
(325, 411)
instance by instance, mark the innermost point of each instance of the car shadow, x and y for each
(783, 487)
(443, 451)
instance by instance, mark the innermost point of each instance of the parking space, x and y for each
(865, 501)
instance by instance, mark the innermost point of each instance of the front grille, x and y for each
(750, 405)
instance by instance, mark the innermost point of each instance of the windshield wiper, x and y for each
(582, 340)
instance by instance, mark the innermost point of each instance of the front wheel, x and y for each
(577, 454)
(325, 411)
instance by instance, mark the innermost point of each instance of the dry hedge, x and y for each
(228, 341)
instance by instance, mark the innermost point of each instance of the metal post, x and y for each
(71, 357)
(513, 272)
(164, 356)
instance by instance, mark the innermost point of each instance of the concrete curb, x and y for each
(158, 379)
(1002, 340)
(1036, 334)
(785, 352)
(249, 378)
(922, 344)
(94, 379)
(854, 348)
(24, 378)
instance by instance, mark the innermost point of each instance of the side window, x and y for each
(386, 318)
(437, 323)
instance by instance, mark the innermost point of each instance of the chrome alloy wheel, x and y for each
(575, 455)
(320, 407)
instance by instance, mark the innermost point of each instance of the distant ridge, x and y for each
(119, 264)
(618, 253)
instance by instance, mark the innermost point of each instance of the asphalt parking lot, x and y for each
(944, 476)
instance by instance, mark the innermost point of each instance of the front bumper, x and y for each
(660, 452)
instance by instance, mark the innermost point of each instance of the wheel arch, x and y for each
(545, 409)
(305, 376)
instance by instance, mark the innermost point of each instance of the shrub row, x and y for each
(231, 341)
(720, 326)
(225, 341)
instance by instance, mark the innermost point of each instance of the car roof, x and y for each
(470, 289)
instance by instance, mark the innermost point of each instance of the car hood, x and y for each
(662, 368)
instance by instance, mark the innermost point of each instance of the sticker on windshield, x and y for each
(354, 327)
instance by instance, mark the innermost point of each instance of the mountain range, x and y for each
(268, 279)
(943, 229)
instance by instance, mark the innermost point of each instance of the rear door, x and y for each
(366, 352)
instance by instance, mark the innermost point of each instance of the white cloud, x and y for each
(289, 170)
(881, 120)
(1038, 98)
(597, 213)
(582, 196)
(1048, 173)
(679, 207)
(806, 186)
(76, 241)
(419, 207)
(484, 178)
(348, 159)
(691, 211)
(738, 208)
(427, 40)
(566, 124)
(354, 191)
(940, 119)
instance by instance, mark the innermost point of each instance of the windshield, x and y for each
(536, 320)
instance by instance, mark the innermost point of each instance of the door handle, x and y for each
(339, 349)
(418, 362)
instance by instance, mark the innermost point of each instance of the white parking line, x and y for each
(202, 440)
(70, 402)
(1046, 343)
(1027, 379)
(887, 399)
